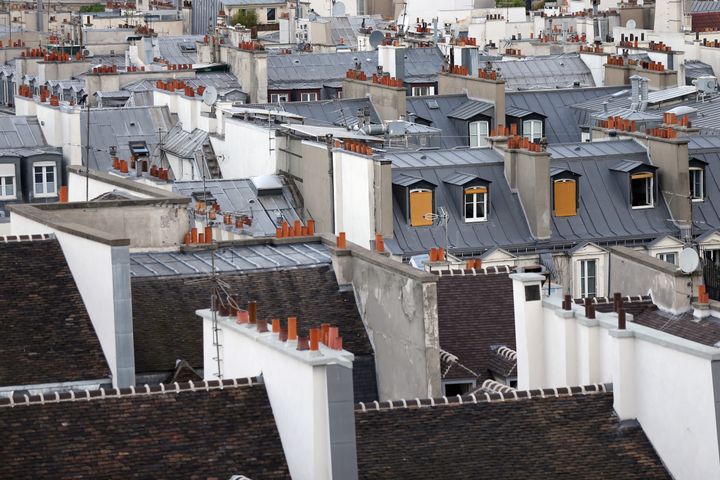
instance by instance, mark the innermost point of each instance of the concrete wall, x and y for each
(247, 149)
(533, 186)
(617, 76)
(667, 383)
(250, 67)
(672, 156)
(310, 393)
(60, 70)
(307, 164)
(398, 305)
(492, 91)
(595, 62)
(100, 265)
(636, 273)
(390, 102)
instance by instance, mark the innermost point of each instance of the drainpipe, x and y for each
(331, 177)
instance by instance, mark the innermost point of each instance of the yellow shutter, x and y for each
(565, 198)
(420, 204)
(638, 176)
(470, 191)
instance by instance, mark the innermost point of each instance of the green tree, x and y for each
(246, 18)
(94, 8)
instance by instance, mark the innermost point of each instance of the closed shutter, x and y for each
(565, 198)
(420, 205)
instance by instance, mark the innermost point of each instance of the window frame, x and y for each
(3, 187)
(474, 192)
(701, 183)
(418, 91)
(664, 255)
(584, 277)
(44, 169)
(649, 190)
(477, 136)
(279, 97)
(274, 14)
(533, 134)
(303, 94)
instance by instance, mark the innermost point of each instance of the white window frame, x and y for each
(45, 166)
(279, 97)
(650, 192)
(308, 96)
(584, 277)
(533, 129)
(475, 217)
(478, 139)
(664, 257)
(693, 194)
(4, 185)
(423, 91)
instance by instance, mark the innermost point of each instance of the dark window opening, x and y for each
(452, 389)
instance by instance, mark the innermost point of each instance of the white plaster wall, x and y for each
(354, 200)
(162, 97)
(596, 65)
(24, 106)
(49, 118)
(77, 188)
(247, 150)
(297, 392)
(446, 11)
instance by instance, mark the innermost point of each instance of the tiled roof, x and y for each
(202, 431)
(705, 331)
(474, 313)
(502, 361)
(167, 328)
(560, 436)
(46, 335)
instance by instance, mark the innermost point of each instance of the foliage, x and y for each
(246, 18)
(509, 3)
(94, 8)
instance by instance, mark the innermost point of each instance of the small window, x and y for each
(45, 180)
(308, 97)
(588, 278)
(421, 207)
(668, 257)
(642, 190)
(458, 388)
(476, 204)
(278, 97)
(423, 91)
(565, 198)
(479, 134)
(7, 188)
(270, 14)
(697, 184)
(533, 129)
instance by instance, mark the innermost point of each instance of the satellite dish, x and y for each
(376, 39)
(631, 24)
(338, 9)
(210, 96)
(689, 260)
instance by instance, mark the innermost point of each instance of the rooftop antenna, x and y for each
(440, 219)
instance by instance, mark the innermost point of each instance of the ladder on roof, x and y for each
(217, 334)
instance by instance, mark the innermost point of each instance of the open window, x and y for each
(641, 182)
(697, 179)
(565, 192)
(471, 195)
(416, 197)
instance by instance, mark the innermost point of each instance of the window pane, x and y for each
(469, 207)
(641, 191)
(591, 268)
(50, 174)
(50, 187)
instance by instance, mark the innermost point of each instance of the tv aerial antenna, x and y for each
(440, 219)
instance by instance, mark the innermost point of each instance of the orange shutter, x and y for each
(420, 204)
(565, 198)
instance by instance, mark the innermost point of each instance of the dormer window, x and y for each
(697, 179)
(476, 204)
(421, 200)
(533, 130)
(479, 132)
(416, 197)
(642, 190)
(565, 192)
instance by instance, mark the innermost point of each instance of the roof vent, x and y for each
(433, 104)
(267, 185)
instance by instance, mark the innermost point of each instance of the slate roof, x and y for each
(701, 6)
(163, 335)
(316, 70)
(474, 313)
(339, 112)
(47, 335)
(120, 126)
(238, 196)
(20, 132)
(604, 213)
(561, 436)
(705, 331)
(501, 364)
(213, 433)
(541, 72)
(169, 47)
(184, 144)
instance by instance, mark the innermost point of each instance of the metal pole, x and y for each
(87, 153)
(331, 179)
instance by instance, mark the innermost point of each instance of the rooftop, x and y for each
(338, 112)
(506, 437)
(47, 335)
(541, 72)
(209, 429)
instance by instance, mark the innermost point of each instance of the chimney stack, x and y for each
(672, 157)
(532, 183)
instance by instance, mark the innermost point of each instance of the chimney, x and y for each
(635, 92)
(529, 330)
(532, 182)
(310, 388)
(623, 370)
(392, 60)
(672, 158)
(490, 88)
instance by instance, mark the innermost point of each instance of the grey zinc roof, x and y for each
(239, 197)
(19, 133)
(553, 71)
(184, 144)
(704, 6)
(604, 213)
(405, 180)
(170, 48)
(460, 179)
(472, 108)
(706, 215)
(119, 126)
(629, 165)
(517, 112)
(696, 68)
(340, 112)
(238, 259)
